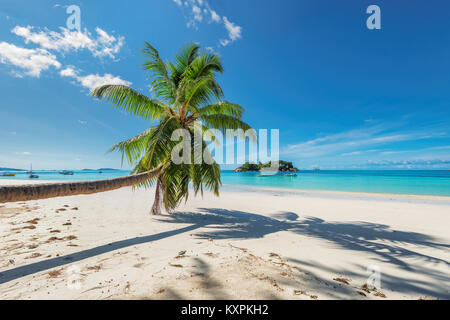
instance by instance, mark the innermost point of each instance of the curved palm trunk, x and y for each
(157, 203)
(62, 189)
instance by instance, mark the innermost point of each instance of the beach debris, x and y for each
(31, 227)
(34, 221)
(160, 290)
(33, 255)
(67, 224)
(373, 290)
(342, 280)
(361, 293)
(210, 254)
(427, 298)
(379, 294)
(242, 249)
(182, 253)
(299, 292)
(314, 297)
(54, 239)
(33, 246)
(55, 231)
(75, 208)
(274, 255)
(138, 265)
(284, 274)
(365, 288)
(95, 268)
(127, 288)
(175, 265)
(54, 273)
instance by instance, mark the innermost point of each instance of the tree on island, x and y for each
(283, 166)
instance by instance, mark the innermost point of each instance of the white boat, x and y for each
(32, 176)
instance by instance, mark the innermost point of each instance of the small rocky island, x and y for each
(284, 166)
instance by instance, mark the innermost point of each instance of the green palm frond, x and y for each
(223, 122)
(162, 84)
(222, 108)
(160, 145)
(202, 91)
(133, 148)
(184, 58)
(204, 65)
(131, 101)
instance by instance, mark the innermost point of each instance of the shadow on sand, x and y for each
(378, 239)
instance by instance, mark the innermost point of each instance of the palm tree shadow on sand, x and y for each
(215, 223)
(377, 239)
(358, 236)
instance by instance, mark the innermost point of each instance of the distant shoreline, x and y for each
(349, 194)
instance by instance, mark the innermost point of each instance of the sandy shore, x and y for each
(251, 244)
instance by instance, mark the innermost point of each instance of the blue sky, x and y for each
(342, 96)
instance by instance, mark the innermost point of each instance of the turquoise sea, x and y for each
(420, 182)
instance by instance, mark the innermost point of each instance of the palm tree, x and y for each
(186, 96)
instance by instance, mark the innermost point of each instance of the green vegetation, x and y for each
(185, 95)
(284, 166)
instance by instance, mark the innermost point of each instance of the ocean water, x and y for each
(78, 175)
(419, 182)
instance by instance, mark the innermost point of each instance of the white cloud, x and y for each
(68, 72)
(82, 122)
(354, 153)
(197, 12)
(33, 61)
(23, 153)
(93, 81)
(224, 42)
(349, 143)
(199, 9)
(214, 16)
(234, 31)
(66, 40)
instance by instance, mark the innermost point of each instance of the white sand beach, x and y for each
(246, 244)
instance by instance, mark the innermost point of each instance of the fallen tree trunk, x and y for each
(62, 189)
